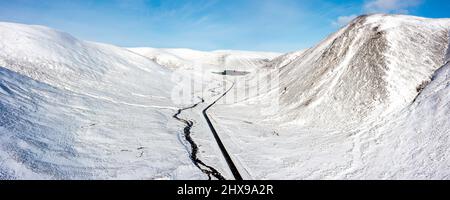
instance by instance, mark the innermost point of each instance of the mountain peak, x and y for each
(370, 68)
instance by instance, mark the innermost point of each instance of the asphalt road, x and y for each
(227, 157)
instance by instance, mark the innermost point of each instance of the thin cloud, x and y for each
(380, 6)
(390, 6)
(344, 20)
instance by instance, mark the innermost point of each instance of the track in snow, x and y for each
(206, 169)
(227, 157)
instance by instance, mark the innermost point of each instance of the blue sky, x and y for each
(261, 25)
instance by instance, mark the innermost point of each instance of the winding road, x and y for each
(227, 157)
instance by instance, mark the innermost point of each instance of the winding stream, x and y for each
(206, 169)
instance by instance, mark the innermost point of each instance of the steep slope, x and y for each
(285, 59)
(419, 136)
(72, 109)
(413, 144)
(370, 68)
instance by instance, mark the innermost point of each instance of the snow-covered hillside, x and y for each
(413, 144)
(221, 59)
(370, 68)
(285, 59)
(369, 102)
(82, 110)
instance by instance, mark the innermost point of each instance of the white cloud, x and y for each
(390, 6)
(380, 6)
(344, 20)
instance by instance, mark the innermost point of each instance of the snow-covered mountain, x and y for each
(82, 110)
(374, 66)
(369, 102)
(222, 59)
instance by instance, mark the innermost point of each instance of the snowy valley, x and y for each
(371, 101)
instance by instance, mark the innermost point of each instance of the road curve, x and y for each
(227, 157)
